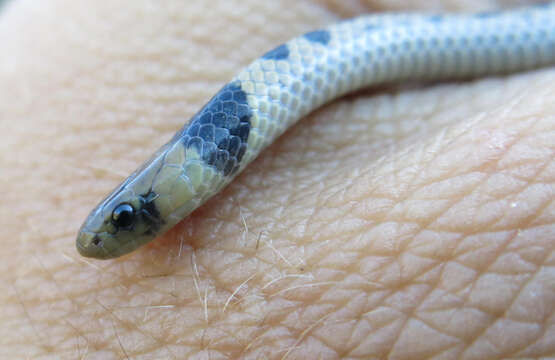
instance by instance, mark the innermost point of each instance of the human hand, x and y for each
(404, 223)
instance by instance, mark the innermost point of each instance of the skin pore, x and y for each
(409, 222)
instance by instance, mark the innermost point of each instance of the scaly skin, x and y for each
(463, 267)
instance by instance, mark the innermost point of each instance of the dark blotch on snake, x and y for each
(435, 18)
(149, 212)
(279, 53)
(220, 130)
(372, 27)
(320, 36)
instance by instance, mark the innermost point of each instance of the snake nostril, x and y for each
(97, 241)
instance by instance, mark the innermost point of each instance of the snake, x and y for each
(287, 83)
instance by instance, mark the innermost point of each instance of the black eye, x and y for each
(123, 215)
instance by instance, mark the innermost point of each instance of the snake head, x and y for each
(119, 224)
(125, 219)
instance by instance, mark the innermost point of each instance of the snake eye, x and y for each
(123, 215)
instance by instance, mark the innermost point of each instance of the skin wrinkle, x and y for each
(471, 190)
(492, 260)
(330, 233)
(516, 296)
(78, 332)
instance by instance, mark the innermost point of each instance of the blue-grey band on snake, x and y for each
(290, 81)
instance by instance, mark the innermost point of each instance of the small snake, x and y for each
(290, 81)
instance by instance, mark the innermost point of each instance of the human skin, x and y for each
(403, 222)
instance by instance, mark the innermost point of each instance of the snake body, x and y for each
(290, 81)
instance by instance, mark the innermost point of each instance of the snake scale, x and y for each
(290, 81)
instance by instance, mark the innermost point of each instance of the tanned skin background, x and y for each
(404, 223)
